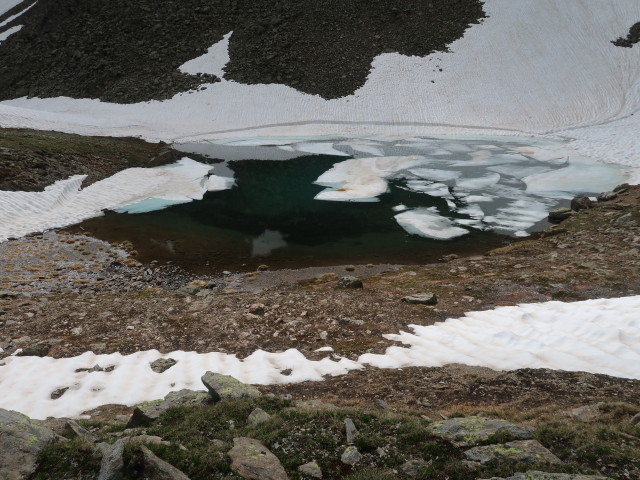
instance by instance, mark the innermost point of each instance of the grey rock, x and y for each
(521, 451)
(112, 460)
(381, 404)
(421, 299)
(162, 364)
(586, 413)
(81, 432)
(412, 468)
(311, 469)
(147, 412)
(621, 188)
(581, 202)
(559, 214)
(251, 459)
(39, 350)
(8, 294)
(351, 456)
(157, 469)
(349, 282)
(535, 475)
(98, 347)
(627, 219)
(352, 431)
(225, 387)
(188, 290)
(258, 416)
(607, 196)
(470, 431)
(21, 440)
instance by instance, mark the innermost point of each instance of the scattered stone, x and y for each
(581, 202)
(263, 268)
(586, 413)
(149, 439)
(559, 214)
(421, 299)
(350, 268)
(112, 460)
(607, 196)
(157, 469)
(21, 441)
(39, 350)
(349, 282)
(258, 416)
(470, 431)
(352, 431)
(147, 412)
(98, 348)
(251, 459)
(8, 294)
(187, 290)
(225, 387)
(257, 309)
(95, 368)
(535, 475)
(81, 432)
(381, 404)
(412, 468)
(311, 469)
(58, 392)
(351, 456)
(162, 364)
(521, 451)
(627, 219)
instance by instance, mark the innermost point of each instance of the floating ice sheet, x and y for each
(427, 222)
(134, 190)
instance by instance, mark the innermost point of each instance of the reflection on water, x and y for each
(476, 187)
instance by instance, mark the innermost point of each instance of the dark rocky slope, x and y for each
(127, 52)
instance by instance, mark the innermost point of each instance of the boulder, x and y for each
(350, 456)
(225, 387)
(258, 416)
(157, 469)
(521, 451)
(412, 468)
(421, 299)
(251, 459)
(311, 469)
(147, 412)
(349, 282)
(559, 214)
(21, 441)
(586, 413)
(581, 202)
(162, 364)
(112, 460)
(351, 430)
(470, 431)
(607, 196)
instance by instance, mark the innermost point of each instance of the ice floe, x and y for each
(134, 190)
(427, 222)
(597, 336)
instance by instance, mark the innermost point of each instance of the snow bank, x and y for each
(134, 190)
(597, 336)
(535, 67)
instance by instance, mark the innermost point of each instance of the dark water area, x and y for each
(270, 217)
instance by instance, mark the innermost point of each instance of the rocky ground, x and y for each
(62, 294)
(127, 52)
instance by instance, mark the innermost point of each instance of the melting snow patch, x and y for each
(597, 336)
(7, 33)
(212, 62)
(134, 190)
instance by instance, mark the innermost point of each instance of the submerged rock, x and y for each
(21, 441)
(470, 431)
(225, 387)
